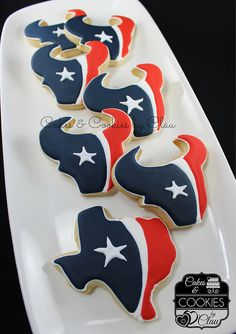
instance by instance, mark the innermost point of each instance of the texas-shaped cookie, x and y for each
(128, 256)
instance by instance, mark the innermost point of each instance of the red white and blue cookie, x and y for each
(128, 256)
(175, 191)
(88, 158)
(117, 36)
(142, 100)
(67, 78)
(39, 34)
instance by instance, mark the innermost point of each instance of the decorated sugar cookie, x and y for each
(128, 256)
(88, 158)
(175, 191)
(142, 101)
(67, 78)
(117, 36)
(39, 33)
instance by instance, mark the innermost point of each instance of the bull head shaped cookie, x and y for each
(142, 101)
(88, 158)
(67, 78)
(117, 36)
(39, 34)
(129, 256)
(175, 191)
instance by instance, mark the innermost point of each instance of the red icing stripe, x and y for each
(126, 28)
(116, 134)
(154, 79)
(77, 12)
(161, 256)
(97, 56)
(195, 158)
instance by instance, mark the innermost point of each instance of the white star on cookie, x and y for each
(132, 104)
(65, 74)
(59, 32)
(111, 252)
(176, 190)
(85, 156)
(104, 37)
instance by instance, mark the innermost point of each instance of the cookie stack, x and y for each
(128, 256)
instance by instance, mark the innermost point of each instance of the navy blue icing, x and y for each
(97, 97)
(45, 34)
(151, 182)
(123, 278)
(59, 145)
(66, 91)
(87, 33)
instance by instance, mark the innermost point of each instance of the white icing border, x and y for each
(120, 39)
(137, 233)
(82, 60)
(107, 152)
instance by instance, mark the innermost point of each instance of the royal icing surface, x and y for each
(87, 158)
(48, 34)
(117, 36)
(67, 78)
(142, 101)
(130, 256)
(178, 187)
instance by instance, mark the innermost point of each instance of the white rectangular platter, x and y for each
(43, 204)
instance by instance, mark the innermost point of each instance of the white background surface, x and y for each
(43, 204)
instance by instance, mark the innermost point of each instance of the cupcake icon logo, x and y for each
(201, 301)
(213, 285)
